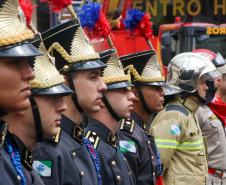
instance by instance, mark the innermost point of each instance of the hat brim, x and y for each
(23, 49)
(163, 84)
(60, 89)
(85, 65)
(119, 85)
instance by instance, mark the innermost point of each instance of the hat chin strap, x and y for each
(37, 120)
(74, 95)
(110, 109)
(141, 96)
(184, 95)
(2, 113)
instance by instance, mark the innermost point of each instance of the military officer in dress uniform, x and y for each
(15, 74)
(101, 130)
(175, 128)
(42, 119)
(136, 145)
(212, 123)
(73, 160)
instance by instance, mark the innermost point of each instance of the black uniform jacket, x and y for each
(139, 149)
(71, 161)
(113, 167)
(8, 174)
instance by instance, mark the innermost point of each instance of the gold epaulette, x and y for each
(127, 124)
(93, 138)
(3, 132)
(213, 117)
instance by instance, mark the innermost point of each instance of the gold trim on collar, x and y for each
(29, 158)
(58, 135)
(112, 139)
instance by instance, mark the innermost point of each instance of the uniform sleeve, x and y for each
(131, 149)
(168, 129)
(49, 164)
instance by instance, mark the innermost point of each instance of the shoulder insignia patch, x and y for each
(127, 124)
(44, 168)
(127, 146)
(78, 133)
(3, 132)
(112, 139)
(213, 117)
(93, 138)
(175, 129)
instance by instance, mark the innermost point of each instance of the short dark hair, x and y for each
(224, 76)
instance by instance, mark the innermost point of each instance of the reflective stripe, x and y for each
(191, 145)
(164, 143)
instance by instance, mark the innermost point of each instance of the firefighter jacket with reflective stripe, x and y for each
(180, 143)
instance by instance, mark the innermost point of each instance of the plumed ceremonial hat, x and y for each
(71, 47)
(143, 68)
(15, 35)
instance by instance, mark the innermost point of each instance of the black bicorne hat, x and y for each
(143, 68)
(71, 48)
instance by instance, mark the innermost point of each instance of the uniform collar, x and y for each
(138, 120)
(187, 103)
(72, 129)
(3, 131)
(26, 154)
(103, 132)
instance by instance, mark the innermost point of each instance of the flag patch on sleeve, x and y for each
(44, 168)
(127, 146)
(175, 129)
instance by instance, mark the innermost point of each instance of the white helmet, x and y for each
(184, 71)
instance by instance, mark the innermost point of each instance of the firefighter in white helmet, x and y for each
(176, 130)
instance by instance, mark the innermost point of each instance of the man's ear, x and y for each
(218, 82)
(134, 91)
(66, 81)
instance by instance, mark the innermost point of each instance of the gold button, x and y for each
(153, 174)
(73, 154)
(130, 173)
(66, 68)
(19, 178)
(149, 143)
(82, 174)
(113, 163)
(118, 178)
(152, 157)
